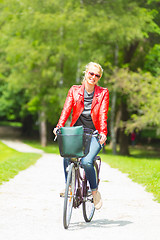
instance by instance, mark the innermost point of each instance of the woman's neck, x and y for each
(89, 88)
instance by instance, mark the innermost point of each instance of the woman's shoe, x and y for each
(97, 200)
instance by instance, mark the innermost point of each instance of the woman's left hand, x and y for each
(103, 138)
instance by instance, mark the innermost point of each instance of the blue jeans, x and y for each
(87, 163)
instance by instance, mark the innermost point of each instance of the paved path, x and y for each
(31, 209)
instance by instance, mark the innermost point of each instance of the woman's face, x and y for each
(92, 75)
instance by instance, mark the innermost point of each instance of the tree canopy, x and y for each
(45, 44)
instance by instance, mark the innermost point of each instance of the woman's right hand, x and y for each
(55, 131)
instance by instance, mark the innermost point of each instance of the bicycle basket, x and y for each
(73, 142)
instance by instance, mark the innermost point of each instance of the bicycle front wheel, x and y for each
(88, 205)
(69, 196)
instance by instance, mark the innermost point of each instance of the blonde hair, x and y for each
(95, 65)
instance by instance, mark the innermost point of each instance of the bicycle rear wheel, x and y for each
(69, 196)
(88, 205)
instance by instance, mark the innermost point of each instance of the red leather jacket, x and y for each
(75, 101)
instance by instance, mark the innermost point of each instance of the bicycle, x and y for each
(77, 189)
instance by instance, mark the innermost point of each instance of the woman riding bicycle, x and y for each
(90, 107)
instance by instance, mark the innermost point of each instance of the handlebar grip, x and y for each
(96, 134)
(55, 138)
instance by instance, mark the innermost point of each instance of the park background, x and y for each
(44, 47)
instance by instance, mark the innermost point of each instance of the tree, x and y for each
(44, 46)
(142, 96)
(31, 50)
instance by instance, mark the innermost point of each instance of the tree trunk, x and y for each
(124, 143)
(61, 57)
(43, 129)
(113, 132)
(113, 110)
(27, 127)
(123, 137)
(128, 54)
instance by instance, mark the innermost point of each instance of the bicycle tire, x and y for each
(69, 196)
(88, 205)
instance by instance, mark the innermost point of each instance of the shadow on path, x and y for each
(101, 223)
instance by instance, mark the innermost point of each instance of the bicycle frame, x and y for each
(77, 191)
(80, 179)
(78, 194)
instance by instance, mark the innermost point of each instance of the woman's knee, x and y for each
(86, 163)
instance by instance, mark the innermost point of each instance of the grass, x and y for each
(143, 166)
(50, 148)
(12, 124)
(11, 162)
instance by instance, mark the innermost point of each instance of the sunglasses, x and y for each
(93, 74)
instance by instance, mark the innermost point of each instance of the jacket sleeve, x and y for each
(68, 105)
(103, 113)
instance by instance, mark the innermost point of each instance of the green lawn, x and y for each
(12, 124)
(142, 167)
(11, 162)
(50, 148)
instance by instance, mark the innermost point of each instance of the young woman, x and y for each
(90, 107)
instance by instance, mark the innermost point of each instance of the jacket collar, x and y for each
(95, 97)
(81, 90)
(96, 93)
